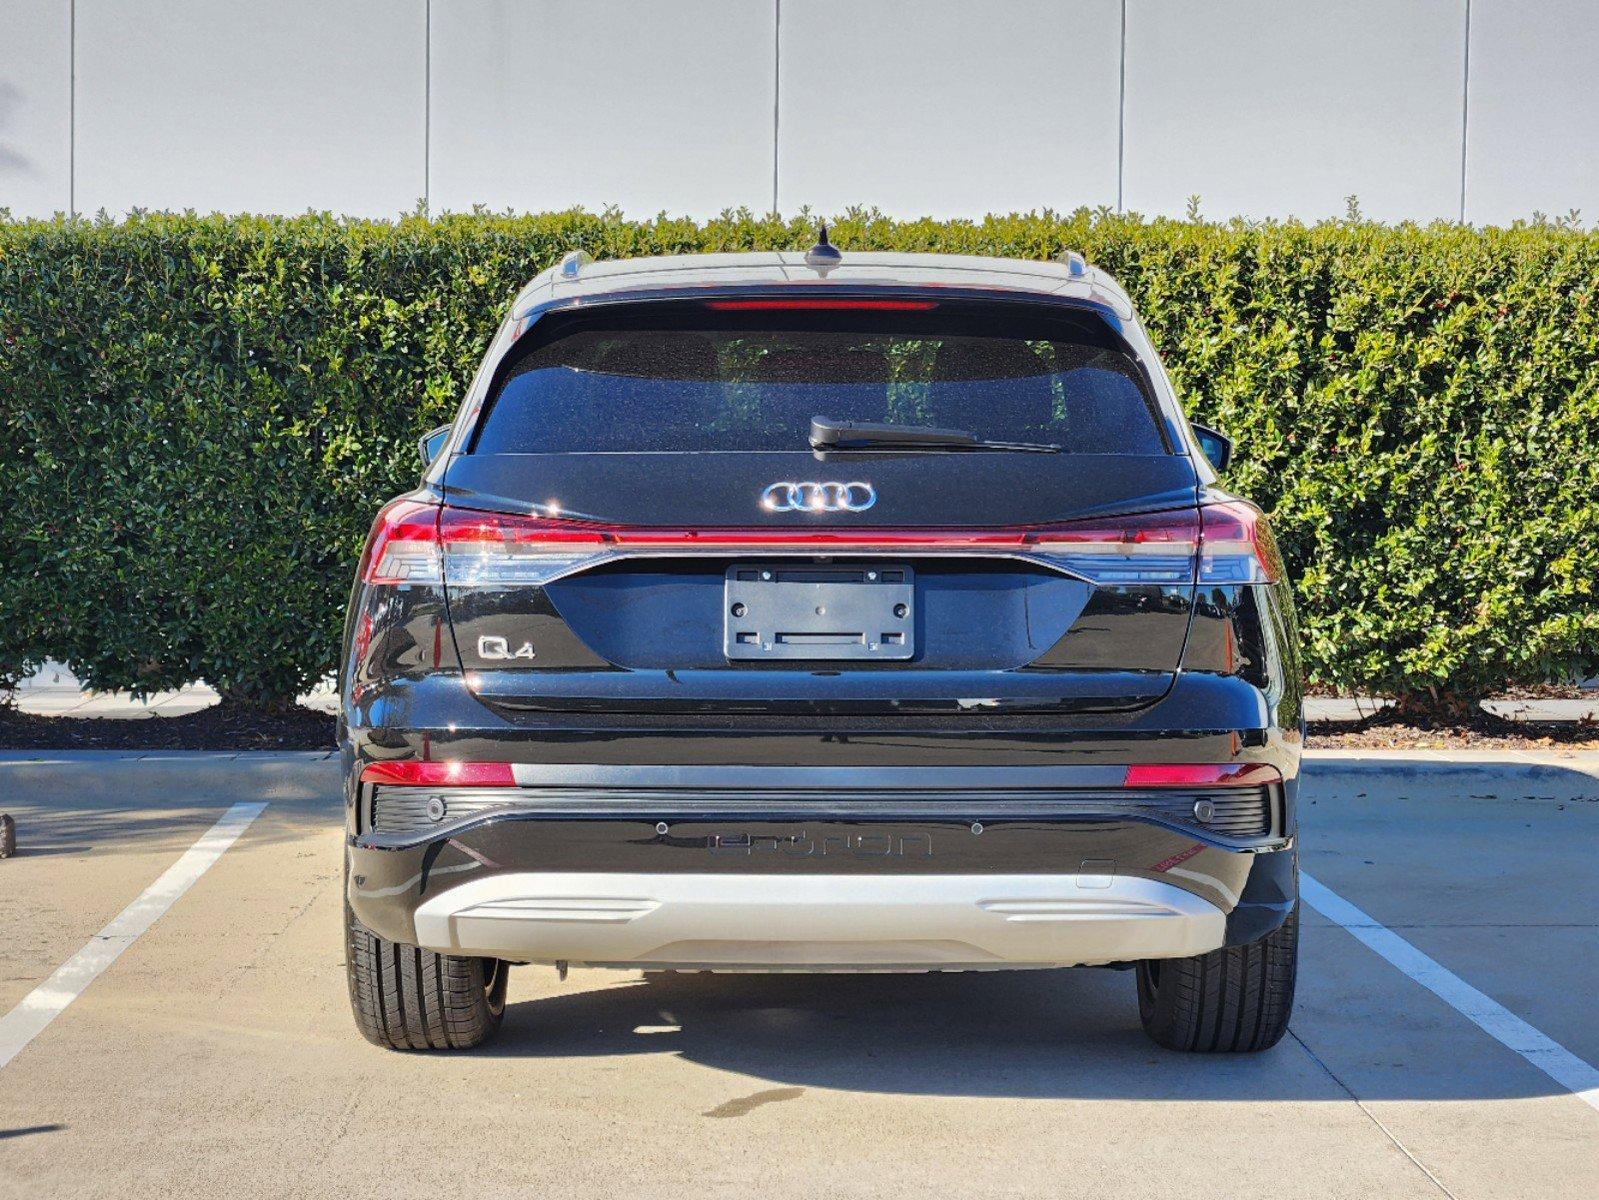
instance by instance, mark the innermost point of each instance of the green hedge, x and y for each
(200, 415)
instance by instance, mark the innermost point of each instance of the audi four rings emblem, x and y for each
(819, 497)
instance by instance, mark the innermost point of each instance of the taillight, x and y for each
(1156, 548)
(1236, 545)
(496, 549)
(422, 544)
(403, 546)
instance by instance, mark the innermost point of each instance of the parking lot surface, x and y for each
(216, 1056)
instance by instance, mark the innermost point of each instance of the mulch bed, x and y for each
(1484, 731)
(1531, 691)
(220, 727)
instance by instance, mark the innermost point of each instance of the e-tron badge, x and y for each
(819, 497)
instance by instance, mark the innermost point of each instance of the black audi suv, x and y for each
(821, 612)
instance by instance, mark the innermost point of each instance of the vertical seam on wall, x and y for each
(1121, 113)
(427, 110)
(1465, 110)
(777, 88)
(72, 108)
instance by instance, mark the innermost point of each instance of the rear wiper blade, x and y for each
(828, 434)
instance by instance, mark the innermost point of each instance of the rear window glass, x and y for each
(685, 378)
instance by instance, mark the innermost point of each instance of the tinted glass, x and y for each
(747, 384)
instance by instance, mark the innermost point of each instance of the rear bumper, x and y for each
(816, 868)
(818, 922)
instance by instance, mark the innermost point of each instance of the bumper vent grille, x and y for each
(1233, 814)
(1239, 814)
(406, 809)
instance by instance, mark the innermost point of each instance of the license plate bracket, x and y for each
(819, 611)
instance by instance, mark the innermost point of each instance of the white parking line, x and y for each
(1493, 1018)
(47, 1001)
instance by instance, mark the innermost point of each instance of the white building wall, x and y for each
(1263, 108)
(35, 106)
(946, 107)
(543, 104)
(223, 105)
(919, 107)
(1532, 141)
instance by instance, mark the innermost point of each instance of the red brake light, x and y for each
(1159, 775)
(820, 304)
(440, 774)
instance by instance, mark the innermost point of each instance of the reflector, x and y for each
(439, 774)
(1156, 775)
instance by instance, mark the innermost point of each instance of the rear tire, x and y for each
(1236, 999)
(407, 998)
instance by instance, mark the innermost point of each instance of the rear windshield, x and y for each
(690, 378)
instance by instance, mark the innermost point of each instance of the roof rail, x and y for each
(574, 261)
(1076, 264)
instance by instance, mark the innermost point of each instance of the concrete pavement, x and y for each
(217, 1055)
